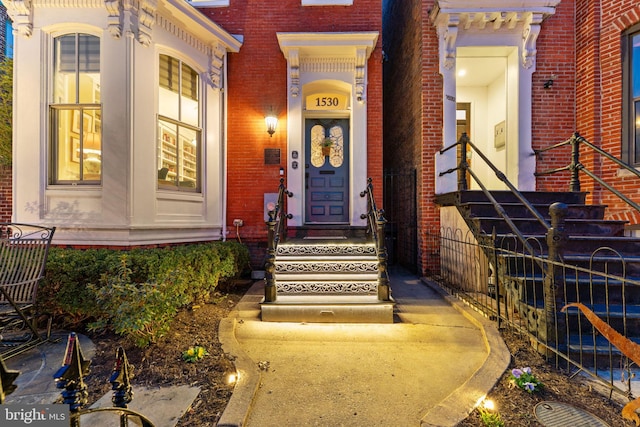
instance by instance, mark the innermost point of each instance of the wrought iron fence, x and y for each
(504, 281)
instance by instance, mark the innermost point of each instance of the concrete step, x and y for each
(518, 210)
(529, 226)
(334, 309)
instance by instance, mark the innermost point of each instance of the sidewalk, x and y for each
(428, 368)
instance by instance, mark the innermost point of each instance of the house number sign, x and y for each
(326, 101)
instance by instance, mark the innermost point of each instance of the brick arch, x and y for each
(627, 19)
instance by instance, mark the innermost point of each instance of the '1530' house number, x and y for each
(326, 101)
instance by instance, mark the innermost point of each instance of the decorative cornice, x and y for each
(452, 16)
(146, 19)
(114, 17)
(21, 13)
(529, 36)
(294, 72)
(217, 61)
(328, 52)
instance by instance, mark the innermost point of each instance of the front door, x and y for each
(327, 171)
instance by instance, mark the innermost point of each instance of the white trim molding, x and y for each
(328, 48)
(454, 16)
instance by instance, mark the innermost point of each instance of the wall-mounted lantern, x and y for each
(272, 121)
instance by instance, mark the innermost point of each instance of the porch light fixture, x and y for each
(272, 121)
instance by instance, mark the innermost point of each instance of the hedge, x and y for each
(135, 292)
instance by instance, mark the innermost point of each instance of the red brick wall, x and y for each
(5, 193)
(554, 109)
(258, 82)
(413, 115)
(432, 87)
(403, 93)
(600, 25)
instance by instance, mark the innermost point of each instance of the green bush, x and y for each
(135, 293)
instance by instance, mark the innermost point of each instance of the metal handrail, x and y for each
(464, 167)
(375, 227)
(576, 166)
(278, 214)
(276, 232)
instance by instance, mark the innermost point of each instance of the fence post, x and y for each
(556, 240)
(462, 167)
(270, 262)
(574, 183)
(383, 281)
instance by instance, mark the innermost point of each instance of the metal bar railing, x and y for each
(463, 167)
(276, 232)
(576, 167)
(519, 301)
(376, 223)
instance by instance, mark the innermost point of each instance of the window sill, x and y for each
(327, 2)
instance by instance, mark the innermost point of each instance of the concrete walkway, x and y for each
(430, 367)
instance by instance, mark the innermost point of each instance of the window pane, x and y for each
(635, 67)
(67, 153)
(91, 145)
(189, 82)
(189, 98)
(167, 154)
(169, 73)
(65, 70)
(188, 157)
(637, 132)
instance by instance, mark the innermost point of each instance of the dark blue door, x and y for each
(327, 171)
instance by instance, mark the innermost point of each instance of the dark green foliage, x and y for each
(137, 292)
(6, 108)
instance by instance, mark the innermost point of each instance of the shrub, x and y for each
(135, 293)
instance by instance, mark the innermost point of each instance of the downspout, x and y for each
(223, 142)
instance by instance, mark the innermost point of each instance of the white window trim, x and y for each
(209, 3)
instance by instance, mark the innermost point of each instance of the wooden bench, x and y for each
(23, 255)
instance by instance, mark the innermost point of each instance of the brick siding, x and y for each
(5, 194)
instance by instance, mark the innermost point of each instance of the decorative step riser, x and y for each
(353, 267)
(327, 288)
(325, 250)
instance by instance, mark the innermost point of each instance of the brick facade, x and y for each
(258, 83)
(599, 94)
(579, 48)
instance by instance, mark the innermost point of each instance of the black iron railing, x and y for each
(376, 223)
(70, 380)
(554, 232)
(575, 167)
(517, 300)
(463, 169)
(276, 232)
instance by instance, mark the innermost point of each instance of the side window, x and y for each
(179, 137)
(76, 112)
(631, 97)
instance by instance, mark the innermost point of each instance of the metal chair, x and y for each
(23, 255)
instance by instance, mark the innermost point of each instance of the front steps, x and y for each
(327, 279)
(593, 244)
